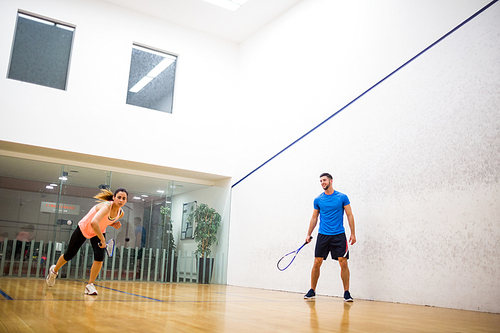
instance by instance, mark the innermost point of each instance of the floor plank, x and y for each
(161, 307)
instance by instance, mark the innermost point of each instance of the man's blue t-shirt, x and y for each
(140, 230)
(331, 211)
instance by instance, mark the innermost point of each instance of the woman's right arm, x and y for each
(312, 224)
(102, 211)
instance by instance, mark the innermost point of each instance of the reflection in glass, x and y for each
(53, 198)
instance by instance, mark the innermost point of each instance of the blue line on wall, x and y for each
(369, 89)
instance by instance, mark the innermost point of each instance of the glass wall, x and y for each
(41, 204)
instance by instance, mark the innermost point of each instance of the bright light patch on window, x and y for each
(40, 20)
(36, 19)
(151, 75)
(65, 27)
(141, 84)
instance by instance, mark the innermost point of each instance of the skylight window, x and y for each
(151, 79)
(41, 51)
(228, 4)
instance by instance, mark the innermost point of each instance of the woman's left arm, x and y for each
(117, 225)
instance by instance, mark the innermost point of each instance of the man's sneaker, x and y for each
(51, 277)
(347, 296)
(310, 294)
(90, 289)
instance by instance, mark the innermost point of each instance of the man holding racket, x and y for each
(331, 206)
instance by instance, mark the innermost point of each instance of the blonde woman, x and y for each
(93, 226)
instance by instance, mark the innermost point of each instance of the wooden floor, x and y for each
(28, 305)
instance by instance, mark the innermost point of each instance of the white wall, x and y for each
(91, 117)
(418, 155)
(319, 56)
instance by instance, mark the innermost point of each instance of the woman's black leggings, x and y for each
(76, 242)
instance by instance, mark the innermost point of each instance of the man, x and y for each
(331, 206)
(140, 233)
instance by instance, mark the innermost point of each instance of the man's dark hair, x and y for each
(326, 174)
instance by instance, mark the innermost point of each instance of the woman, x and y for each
(93, 227)
(27, 234)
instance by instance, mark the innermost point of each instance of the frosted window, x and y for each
(41, 52)
(151, 79)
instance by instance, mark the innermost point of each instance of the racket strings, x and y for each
(110, 247)
(286, 260)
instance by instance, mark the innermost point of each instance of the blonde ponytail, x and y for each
(105, 195)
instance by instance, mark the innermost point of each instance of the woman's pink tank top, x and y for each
(86, 227)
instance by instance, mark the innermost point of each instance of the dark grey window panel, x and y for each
(41, 52)
(151, 79)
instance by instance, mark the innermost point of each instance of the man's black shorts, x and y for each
(336, 245)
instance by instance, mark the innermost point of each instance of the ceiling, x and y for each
(216, 21)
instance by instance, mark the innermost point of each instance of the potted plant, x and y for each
(205, 234)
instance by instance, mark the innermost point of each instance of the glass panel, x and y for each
(45, 201)
(151, 79)
(41, 52)
(76, 190)
(191, 266)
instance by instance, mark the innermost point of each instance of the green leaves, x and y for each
(207, 224)
(168, 241)
(165, 211)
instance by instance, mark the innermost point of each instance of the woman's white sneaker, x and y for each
(51, 277)
(90, 289)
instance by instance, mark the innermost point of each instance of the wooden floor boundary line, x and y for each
(124, 292)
